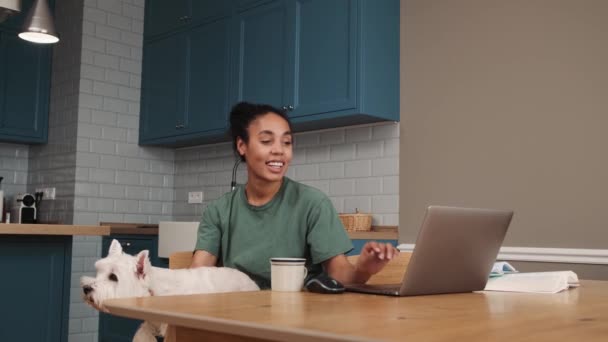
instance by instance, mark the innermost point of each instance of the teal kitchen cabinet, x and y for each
(25, 70)
(262, 55)
(115, 328)
(165, 17)
(327, 63)
(163, 112)
(35, 287)
(185, 86)
(347, 64)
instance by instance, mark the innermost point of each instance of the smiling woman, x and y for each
(273, 216)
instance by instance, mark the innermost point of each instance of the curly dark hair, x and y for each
(241, 116)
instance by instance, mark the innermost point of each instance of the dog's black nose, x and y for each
(86, 289)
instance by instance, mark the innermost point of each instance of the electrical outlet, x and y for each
(48, 193)
(195, 197)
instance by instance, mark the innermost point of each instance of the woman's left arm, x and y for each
(374, 256)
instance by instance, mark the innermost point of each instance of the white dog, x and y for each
(121, 275)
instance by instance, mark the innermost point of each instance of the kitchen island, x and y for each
(36, 264)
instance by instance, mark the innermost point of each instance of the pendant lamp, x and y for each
(38, 26)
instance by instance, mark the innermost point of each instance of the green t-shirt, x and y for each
(299, 222)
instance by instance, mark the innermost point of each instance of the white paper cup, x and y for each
(287, 274)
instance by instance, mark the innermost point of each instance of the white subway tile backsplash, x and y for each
(357, 134)
(358, 168)
(133, 12)
(368, 186)
(128, 93)
(130, 65)
(127, 150)
(117, 77)
(361, 203)
(317, 154)
(112, 191)
(115, 105)
(385, 131)
(93, 44)
(94, 15)
(369, 150)
(306, 139)
(331, 170)
(110, 6)
(114, 133)
(342, 152)
(101, 205)
(332, 137)
(102, 175)
(385, 167)
(119, 21)
(385, 204)
(391, 148)
(103, 118)
(341, 187)
(102, 146)
(126, 206)
(137, 193)
(127, 178)
(105, 61)
(306, 172)
(112, 162)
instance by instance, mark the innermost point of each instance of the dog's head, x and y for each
(119, 275)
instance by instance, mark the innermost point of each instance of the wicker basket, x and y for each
(357, 222)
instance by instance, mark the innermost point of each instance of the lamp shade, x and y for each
(38, 26)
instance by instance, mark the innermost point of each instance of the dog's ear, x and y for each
(115, 248)
(143, 263)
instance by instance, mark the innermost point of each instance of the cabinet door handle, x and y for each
(179, 126)
(290, 107)
(284, 108)
(125, 244)
(185, 18)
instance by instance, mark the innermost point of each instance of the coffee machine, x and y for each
(24, 209)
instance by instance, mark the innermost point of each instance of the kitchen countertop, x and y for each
(131, 228)
(377, 233)
(52, 229)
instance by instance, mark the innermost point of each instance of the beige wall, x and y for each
(504, 104)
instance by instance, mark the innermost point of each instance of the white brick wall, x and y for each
(13, 167)
(357, 167)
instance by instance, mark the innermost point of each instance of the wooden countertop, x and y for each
(575, 314)
(131, 228)
(377, 233)
(52, 229)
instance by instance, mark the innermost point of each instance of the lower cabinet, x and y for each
(114, 328)
(35, 287)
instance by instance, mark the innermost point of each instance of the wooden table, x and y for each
(576, 315)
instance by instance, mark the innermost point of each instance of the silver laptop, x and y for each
(455, 251)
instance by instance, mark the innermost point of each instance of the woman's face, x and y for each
(269, 150)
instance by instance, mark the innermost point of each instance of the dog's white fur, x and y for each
(120, 275)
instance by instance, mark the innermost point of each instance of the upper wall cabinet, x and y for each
(165, 17)
(24, 88)
(326, 63)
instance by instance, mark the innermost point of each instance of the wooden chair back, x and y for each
(392, 273)
(180, 260)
